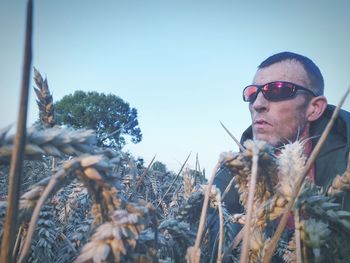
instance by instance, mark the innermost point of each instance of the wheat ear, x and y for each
(341, 183)
(55, 179)
(113, 239)
(86, 166)
(52, 142)
(44, 101)
(36, 212)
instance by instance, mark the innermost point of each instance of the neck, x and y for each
(308, 147)
(305, 135)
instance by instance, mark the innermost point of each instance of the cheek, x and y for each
(290, 121)
(251, 111)
(282, 114)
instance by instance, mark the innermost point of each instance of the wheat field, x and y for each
(65, 199)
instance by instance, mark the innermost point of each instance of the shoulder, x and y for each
(333, 156)
(341, 127)
(247, 134)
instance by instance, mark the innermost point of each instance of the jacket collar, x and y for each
(340, 133)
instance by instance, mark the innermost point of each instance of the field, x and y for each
(65, 199)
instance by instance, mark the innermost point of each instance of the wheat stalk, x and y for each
(193, 253)
(297, 237)
(173, 182)
(18, 155)
(289, 255)
(252, 183)
(241, 148)
(36, 212)
(198, 167)
(60, 176)
(266, 206)
(221, 226)
(240, 166)
(142, 177)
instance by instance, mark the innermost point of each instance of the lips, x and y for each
(261, 122)
(261, 126)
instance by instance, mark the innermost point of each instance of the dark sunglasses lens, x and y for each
(249, 93)
(278, 91)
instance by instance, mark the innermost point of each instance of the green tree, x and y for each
(111, 117)
(159, 166)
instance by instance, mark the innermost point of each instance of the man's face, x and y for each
(282, 121)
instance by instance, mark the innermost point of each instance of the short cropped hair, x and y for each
(313, 72)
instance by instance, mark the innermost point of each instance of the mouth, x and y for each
(262, 122)
(261, 125)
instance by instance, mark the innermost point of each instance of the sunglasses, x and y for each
(273, 91)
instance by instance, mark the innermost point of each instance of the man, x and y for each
(286, 103)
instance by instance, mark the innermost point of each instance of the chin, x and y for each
(270, 140)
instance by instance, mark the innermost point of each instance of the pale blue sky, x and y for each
(182, 64)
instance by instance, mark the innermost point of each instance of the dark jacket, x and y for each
(331, 161)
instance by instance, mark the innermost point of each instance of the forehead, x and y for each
(288, 70)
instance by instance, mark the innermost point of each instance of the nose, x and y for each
(260, 104)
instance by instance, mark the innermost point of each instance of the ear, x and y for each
(316, 108)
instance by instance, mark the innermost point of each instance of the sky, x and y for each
(181, 64)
